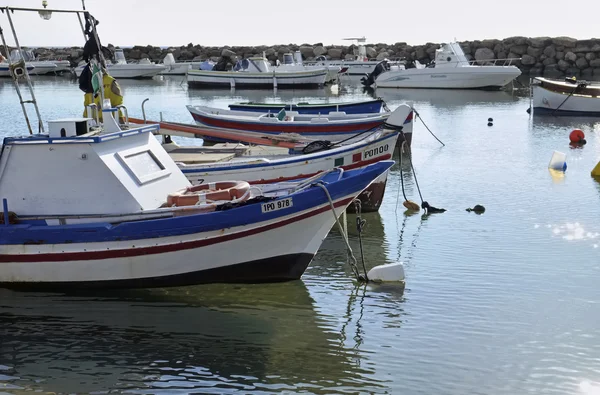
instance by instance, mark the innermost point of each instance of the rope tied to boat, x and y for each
(579, 86)
(427, 127)
(410, 205)
(360, 225)
(353, 260)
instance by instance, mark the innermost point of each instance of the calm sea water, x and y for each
(507, 302)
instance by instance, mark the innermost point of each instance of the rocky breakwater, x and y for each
(553, 57)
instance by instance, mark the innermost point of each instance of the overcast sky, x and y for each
(269, 22)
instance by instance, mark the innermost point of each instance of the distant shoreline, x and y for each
(550, 56)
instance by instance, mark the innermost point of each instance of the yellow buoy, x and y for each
(596, 170)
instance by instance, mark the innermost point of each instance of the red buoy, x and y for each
(576, 136)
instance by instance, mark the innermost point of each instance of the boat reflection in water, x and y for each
(211, 338)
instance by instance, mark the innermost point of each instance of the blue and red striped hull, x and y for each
(333, 130)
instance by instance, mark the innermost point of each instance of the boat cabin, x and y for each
(119, 57)
(76, 170)
(256, 64)
(450, 55)
(28, 55)
(292, 58)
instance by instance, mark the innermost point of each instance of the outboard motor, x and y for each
(381, 67)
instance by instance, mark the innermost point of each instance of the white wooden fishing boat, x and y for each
(568, 97)
(256, 73)
(122, 69)
(260, 165)
(451, 70)
(112, 209)
(287, 160)
(333, 126)
(293, 62)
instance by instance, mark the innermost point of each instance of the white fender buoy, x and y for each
(387, 273)
(558, 161)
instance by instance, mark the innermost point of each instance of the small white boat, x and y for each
(172, 67)
(61, 65)
(5, 69)
(121, 69)
(450, 70)
(40, 67)
(293, 62)
(256, 73)
(568, 97)
(360, 66)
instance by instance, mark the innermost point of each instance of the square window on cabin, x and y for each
(143, 165)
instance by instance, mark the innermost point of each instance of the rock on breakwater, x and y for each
(553, 57)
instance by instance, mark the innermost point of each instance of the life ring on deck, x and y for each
(210, 193)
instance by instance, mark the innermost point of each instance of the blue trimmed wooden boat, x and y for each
(331, 126)
(359, 107)
(113, 210)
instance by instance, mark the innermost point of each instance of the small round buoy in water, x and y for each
(477, 209)
(577, 137)
(387, 273)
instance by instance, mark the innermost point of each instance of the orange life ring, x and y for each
(209, 193)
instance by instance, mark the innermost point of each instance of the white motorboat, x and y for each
(450, 70)
(293, 62)
(255, 72)
(568, 97)
(360, 65)
(61, 65)
(5, 69)
(40, 67)
(173, 67)
(121, 69)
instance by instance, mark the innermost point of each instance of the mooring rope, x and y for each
(353, 262)
(427, 127)
(360, 224)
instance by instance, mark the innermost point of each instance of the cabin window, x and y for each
(143, 165)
